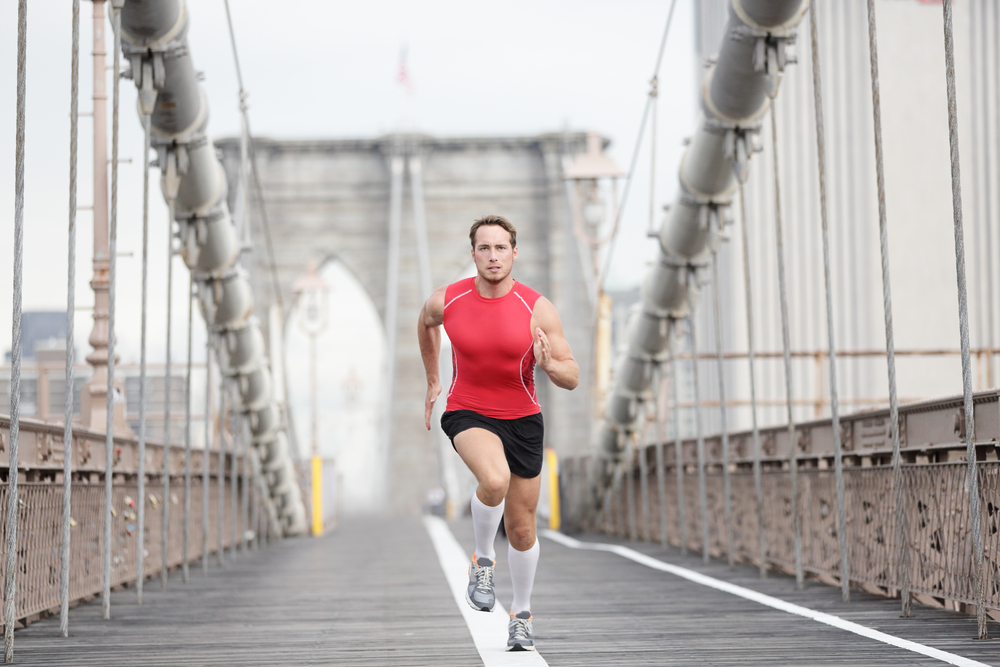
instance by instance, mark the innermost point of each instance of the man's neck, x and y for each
(489, 290)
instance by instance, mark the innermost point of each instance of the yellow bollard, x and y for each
(553, 463)
(317, 495)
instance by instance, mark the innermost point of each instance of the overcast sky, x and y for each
(328, 70)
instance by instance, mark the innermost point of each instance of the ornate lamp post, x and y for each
(311, 294)
(590, 211)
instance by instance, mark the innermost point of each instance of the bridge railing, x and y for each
(40, 493)
(939, 564)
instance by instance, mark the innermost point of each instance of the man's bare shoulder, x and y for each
(433, 311)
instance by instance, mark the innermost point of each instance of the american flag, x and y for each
(403, 77)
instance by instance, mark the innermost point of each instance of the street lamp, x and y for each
(590, 212)
(311, 294)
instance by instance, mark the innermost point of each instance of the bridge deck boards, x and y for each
(373, 593)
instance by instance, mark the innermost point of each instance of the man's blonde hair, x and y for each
(497, 220)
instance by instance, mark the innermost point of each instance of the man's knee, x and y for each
(493, 488)
(521, 536)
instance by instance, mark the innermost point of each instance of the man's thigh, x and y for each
(482, 452)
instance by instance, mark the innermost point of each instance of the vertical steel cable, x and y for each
(187, 430)
(220, 523)
(653, 99)
(702, 491)
(727, 490)
(987, 270)
(10, 571)
(963, 319)
(834, 406)
(630, 487)
(793, 464)
(244, 482)
(206, 457)
(661, 473)
(757, 481)
(112, 271)
(678, 449)
(976, 173)
(644, 485)
(233, 483)
(140, 530)
(167, 400)
(74, 117)
(902, 540)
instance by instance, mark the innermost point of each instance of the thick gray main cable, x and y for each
(678, 450)
(167, 401)
(140, 530)
(187, 432)
(723, 425)
(963, 321)
(902, 540)
(845, 589)
(74, 118)
(755, 431)
(112, 271)
(10, 571)
(793, 463)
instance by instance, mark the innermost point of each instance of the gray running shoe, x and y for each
(480, 594)
(519, 630)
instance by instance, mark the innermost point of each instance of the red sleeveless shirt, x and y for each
(493, 358)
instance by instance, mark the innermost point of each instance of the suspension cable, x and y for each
(244, 482)
(963, 319)
(757, 481)
(140, 530)
(167, 399)
(112, 271)
(644, 484)
(220, 523)
(74, 117)
(630, 488)
(661, 473)
(206, 457)
(902, 540)
(233, 485)
(793, 464)
(702, 492)
(258, 190)
(834, 406)
(187, 430)
(987, 270)
(678, 449)
(723, 425)
(650, 106)
(10, 571)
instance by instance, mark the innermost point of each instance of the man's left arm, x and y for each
(552, 353)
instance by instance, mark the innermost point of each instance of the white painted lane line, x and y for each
(489, 630)
(767, 600)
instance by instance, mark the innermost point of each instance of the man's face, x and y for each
(493, 253)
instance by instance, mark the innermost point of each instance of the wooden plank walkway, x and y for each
(373, 593)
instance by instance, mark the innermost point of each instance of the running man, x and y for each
(499, 330)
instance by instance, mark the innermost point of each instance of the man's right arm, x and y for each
(429, 335)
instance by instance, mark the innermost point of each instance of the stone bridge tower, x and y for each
(396, 211)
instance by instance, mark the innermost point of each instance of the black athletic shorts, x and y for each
(521, 438)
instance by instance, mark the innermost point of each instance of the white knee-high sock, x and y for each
(522, 576)
(485, 522)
